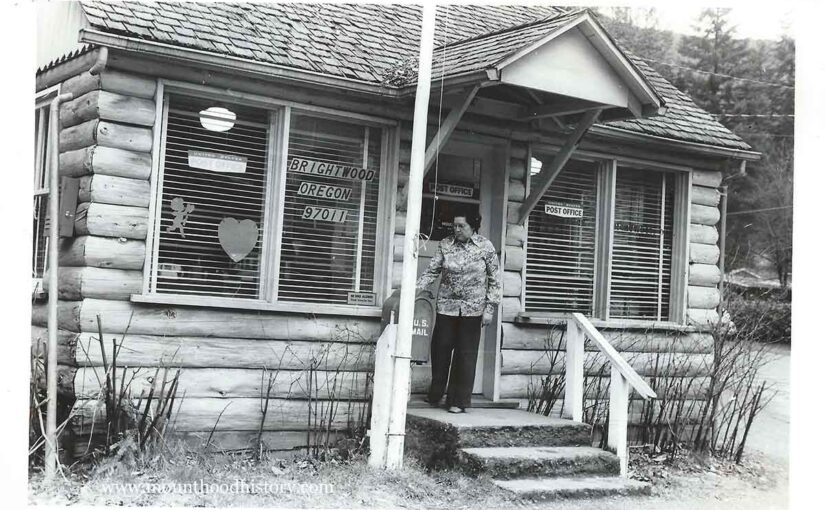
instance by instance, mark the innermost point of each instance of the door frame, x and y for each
(495, 156)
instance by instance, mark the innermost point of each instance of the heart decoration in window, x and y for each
(237, 238)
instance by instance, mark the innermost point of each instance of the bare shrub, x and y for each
(708, 407)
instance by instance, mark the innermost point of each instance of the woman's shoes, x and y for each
(430, 402)
(455, 410)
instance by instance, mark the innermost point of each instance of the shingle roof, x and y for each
(368, 42)
(478, 53)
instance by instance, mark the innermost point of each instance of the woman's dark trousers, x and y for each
(459, 337)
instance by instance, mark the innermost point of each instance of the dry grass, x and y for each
(300, 483)
(352, 484)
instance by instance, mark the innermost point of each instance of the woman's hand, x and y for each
(486, 319)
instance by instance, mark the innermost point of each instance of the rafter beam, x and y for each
(546, 177)
(446, 129)
(556, 108)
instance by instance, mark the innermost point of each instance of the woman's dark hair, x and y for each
(473, 219)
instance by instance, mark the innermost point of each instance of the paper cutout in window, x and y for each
(180, 214)
(237, 238)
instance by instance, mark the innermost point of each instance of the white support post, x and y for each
(574, 372)
(401, 360)
(381, 393)
(51, 453)
(617, 426)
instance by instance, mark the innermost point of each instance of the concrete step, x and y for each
(434, 436)
(499, 427)
(476, 402)
(575, 487)
(508, 463)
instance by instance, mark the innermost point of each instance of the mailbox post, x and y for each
(423, 323)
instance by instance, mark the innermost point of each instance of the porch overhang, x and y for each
(566, 69)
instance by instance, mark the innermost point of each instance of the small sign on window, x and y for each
(361, 298)
(564, 210)
(327, 169)
(217, 162)
(324, 214)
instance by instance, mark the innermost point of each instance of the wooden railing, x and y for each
(622, 379)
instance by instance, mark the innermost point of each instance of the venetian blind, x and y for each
(330, 210)
(561, 243)
(212, 202)
(41, 191)
(642, 245)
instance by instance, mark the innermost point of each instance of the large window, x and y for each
(266, 204)
(601, 242)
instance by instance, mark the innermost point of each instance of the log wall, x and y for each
(225, 356)
(703, 252)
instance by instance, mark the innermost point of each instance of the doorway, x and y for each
(461, 182)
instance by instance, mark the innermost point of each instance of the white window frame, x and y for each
(606, 189)
(42, 100)
(280, 114)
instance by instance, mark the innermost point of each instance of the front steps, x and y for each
(528, 454)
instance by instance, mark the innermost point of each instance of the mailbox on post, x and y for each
(423, 322)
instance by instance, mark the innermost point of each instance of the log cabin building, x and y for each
(241, 174)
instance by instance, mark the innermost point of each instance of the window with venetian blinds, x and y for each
(564, 234)
(642, 245)
(41, 190)
(209, 217)
(330, 210)
(561, 244)
(225, 195)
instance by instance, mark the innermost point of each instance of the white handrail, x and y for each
(622, 379)
(614, 357)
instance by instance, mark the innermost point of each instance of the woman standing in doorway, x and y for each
(469, 293)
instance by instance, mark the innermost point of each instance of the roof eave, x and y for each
(693, 147)
(484, 77)
(225, 62)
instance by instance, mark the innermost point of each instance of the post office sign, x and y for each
(564, 210)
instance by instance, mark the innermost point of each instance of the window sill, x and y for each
(244, 304)
(556, 320)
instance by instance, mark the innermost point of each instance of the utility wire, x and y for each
(768, 115)
(760, 210)
(761, 82)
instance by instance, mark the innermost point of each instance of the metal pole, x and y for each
(401, 360)
(50, 462)
(723, 228)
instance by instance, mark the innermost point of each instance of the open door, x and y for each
(463, 180)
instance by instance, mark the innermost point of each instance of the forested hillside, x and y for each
(749, 85)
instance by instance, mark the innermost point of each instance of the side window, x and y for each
(40, 204)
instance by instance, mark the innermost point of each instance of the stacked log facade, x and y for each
(320, 366)
(226, 355)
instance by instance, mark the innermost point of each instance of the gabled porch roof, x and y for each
(569, 56)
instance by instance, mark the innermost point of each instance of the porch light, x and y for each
(535, 166)
(217, 118)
